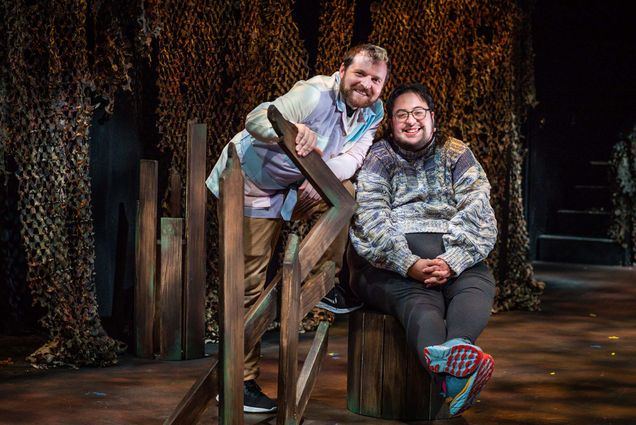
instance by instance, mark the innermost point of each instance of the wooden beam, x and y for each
(393, 396)
(354, 351)
(170, 289)
(326, 184)
(146, 248)
(371, 365)
(193, 404)
(311, 367)
(194, 289)
(288, 350)
(174, 201)
(231, 292)
(316, 287)
(261, 314)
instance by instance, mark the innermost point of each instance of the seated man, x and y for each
(338, 115)
(419, 236)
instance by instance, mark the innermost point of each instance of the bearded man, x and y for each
(337, 116)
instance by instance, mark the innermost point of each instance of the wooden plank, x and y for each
(317, 287)
(261, 314)
(311, 367)
(419, 393)
(288, 350)
(326, 184)
(194, 289)
(170, 289)
(231, 292)
(371, 371)
(321, 235)
(394, 396)
(354, 361)
(174, 201)
(193, 404)
(146, 259)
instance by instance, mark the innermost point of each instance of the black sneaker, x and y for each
(337, 302)
(254, 401)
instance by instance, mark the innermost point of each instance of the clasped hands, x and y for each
(431, 272)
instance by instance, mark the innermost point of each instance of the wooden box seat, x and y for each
(384, 377)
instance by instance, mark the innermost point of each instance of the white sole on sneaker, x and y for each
(336, 310)
(250, 409)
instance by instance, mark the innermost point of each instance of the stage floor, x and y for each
(572, 363)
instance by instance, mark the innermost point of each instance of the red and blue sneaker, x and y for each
(454, 357)
(465, 396)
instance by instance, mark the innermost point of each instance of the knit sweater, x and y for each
(439, 189)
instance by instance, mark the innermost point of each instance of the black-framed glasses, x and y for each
(418, 113)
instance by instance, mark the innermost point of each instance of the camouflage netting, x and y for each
(49, 76)
(472, 59)
(336, 29)
(623, 171)
(215, 61)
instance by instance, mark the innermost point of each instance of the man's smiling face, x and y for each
(412, 122)
(362, 81)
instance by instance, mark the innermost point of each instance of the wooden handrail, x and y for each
(301, 257)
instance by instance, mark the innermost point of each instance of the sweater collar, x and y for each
(424, 152)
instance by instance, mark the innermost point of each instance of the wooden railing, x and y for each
(242, 333)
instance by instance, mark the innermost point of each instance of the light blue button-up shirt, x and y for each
(270, 176)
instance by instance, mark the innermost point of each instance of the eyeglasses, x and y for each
(418, 114)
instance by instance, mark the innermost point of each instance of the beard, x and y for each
(352, 98)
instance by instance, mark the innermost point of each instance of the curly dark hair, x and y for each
(423, 93)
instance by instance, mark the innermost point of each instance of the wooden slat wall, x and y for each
(393, 396)
(170, 289)
(385, 378)
(195, 261)
(146, 248)
(371, 365)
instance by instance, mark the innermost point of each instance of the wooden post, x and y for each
(194, 289)
(231, 293)
(174, 201)
(146, 246)
(288, 350)
(170, 289)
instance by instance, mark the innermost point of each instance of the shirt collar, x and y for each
(423, 153)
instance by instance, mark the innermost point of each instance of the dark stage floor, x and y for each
(572, 363)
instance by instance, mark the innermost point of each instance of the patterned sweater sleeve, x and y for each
(472, 231)
(372, 233)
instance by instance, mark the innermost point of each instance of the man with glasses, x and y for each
(337, 115)
(419, 236)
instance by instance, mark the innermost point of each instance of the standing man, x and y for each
(421, 231)
(337, 115)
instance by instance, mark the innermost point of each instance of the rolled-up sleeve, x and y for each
(295, 106)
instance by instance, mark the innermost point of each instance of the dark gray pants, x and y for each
(430, 316)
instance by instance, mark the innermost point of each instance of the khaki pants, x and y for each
(259, 240)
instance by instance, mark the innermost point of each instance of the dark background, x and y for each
(584, 70)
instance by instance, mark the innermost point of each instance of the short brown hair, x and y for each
(376, 53)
